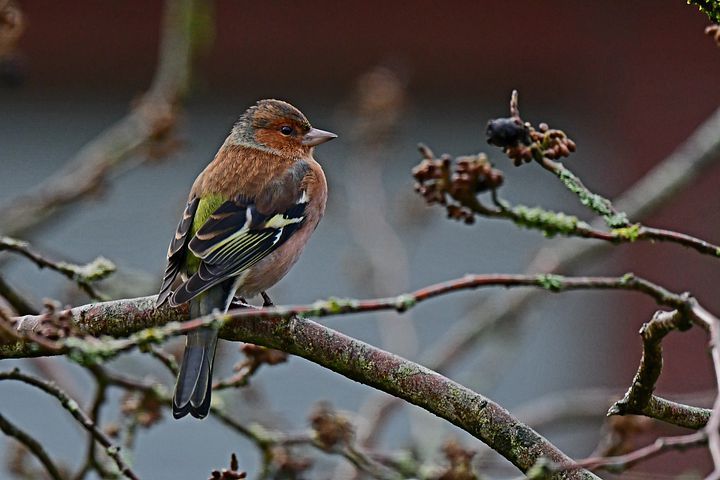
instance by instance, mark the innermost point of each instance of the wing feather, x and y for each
(234, 238)
(177, 251)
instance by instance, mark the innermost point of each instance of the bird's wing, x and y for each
(177, 251)
(238, 234)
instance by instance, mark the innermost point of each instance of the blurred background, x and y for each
(627, 81)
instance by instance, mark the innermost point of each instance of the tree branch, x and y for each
(280, 328)
(127, 317)
(21, 305)
(72, 407)
(687, 162)
(83, 275)
(623, 462)
(33, 445)
(651, 362)
(151, 119)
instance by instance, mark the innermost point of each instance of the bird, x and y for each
(249, 214)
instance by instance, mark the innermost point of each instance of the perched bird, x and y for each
(248, 217)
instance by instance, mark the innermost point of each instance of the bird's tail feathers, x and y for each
(194, 383)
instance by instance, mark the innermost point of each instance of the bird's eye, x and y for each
(286, 130)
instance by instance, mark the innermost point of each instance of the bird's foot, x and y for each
(240, 302)
(267, 302)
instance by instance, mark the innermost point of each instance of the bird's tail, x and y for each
(194, 383)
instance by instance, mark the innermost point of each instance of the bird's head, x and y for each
(279, 127)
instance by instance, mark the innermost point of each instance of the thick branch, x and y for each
(404, 379)
(281, 328)
(356, 360)
(676, 413)
(686, 163)
(122, 318)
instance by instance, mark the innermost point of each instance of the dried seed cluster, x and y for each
(460, 460)
(257, 355)
(330, 428)
(522, 143)
(144, 406)
(285, 464)
(56, 322)
(455, 184)
(233, 473)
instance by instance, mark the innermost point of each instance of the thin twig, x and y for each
(699, 151)
(638, 395)
(165, 358)
(629, 233)
(712, 429)
(102, 318)
(623, 462)
(33, 445)
(264, 439)
(74, 409)
(83, 275)
(150, 120)
(598, 204)
(21, 305)
(438, 181)
(91, 461)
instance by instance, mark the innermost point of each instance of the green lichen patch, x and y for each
(98, 269)
(89, 352)
(405, 302)
(553, 283)
(597, 203)
(549, 222)
(630, 233)
(332, 306)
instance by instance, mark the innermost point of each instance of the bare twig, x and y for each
(689, 160)
(676, 413)
(83, 275)
(640, 391)
(165, 358)
(151, 119)
(593, 403)
(74, 409)
(91, 460)
(130, 316)
(280, 328)
(712, 429)
(264, 439)
(456, 187)
(623, 462)
(21, 305)
(256, 357)
(638, 395)
(32, 445)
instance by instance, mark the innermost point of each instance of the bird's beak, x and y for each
(316, 136)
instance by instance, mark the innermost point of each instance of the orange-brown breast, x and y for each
(238, 169)
(271, 269)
